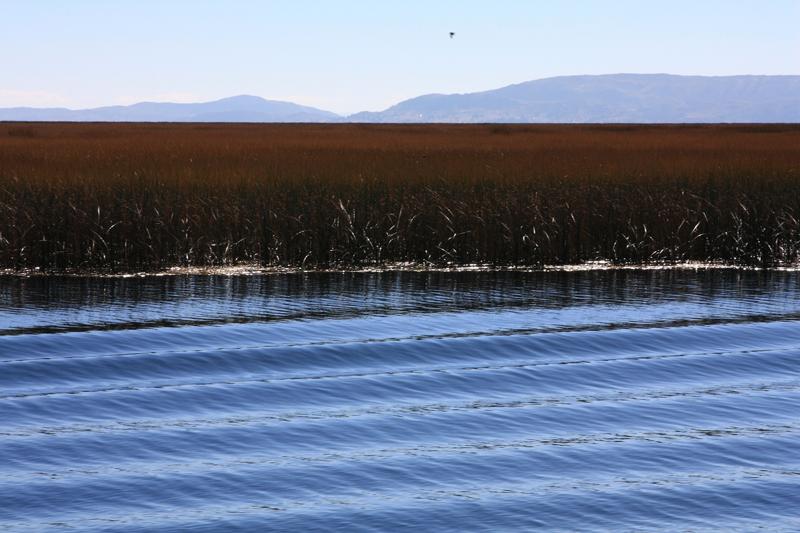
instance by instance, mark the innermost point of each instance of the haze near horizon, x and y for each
(353, 55)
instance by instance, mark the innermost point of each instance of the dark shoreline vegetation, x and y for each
(139, 197)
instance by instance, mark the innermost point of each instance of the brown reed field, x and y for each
(134, 197)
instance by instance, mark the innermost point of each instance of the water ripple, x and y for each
(618, 400)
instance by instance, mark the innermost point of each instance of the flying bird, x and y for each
(452, 34)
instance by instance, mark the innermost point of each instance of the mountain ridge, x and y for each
(606, 98)
(614, 98)
(241, 108)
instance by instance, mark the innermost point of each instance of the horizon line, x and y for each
(346, 115)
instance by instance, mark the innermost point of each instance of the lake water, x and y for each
(607, 400)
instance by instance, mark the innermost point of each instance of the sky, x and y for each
(354, 55)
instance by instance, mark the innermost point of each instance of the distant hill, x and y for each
(634, 98)
(235, 109)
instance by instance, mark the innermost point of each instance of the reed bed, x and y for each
(138, 197)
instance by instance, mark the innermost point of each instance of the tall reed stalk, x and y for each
(130, 197)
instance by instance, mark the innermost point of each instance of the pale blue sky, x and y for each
(352, 55)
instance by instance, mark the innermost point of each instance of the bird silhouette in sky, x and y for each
(452, 34)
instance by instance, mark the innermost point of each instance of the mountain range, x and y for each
(614, 98)
(243, 108)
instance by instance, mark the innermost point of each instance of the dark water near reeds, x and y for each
(660, 400)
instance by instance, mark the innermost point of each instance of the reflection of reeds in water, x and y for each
(137, 196)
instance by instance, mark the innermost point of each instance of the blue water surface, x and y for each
(475, 401)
